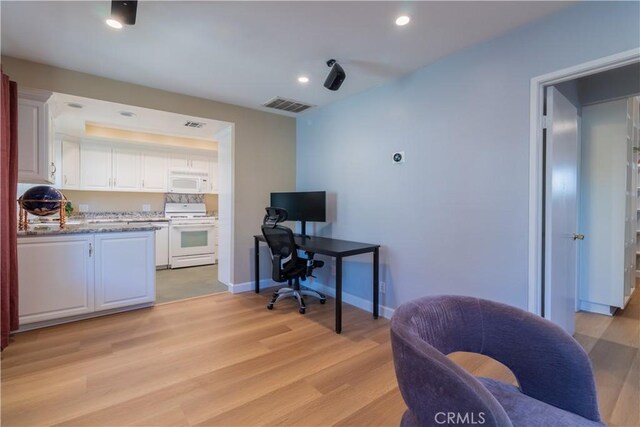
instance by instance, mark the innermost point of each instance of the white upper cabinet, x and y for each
(200, 163)
(92, 164)
(179, 161)
(189, 161)
(70, 173)
(154, 171)
(34, 143)
(126, 170)
(95, 167)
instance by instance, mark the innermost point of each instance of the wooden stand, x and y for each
(23, 219)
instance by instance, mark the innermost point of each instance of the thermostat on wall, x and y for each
(398, 157)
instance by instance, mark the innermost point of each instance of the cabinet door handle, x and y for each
(143, 183)
(53, 172)
(114, 182)
(90, 249)
(65, 179)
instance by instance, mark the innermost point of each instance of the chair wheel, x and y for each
(322, 301)
(302, 310)
(270, 306)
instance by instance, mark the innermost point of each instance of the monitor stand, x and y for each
(303, 230)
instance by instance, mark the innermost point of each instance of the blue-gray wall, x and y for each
(454, 218)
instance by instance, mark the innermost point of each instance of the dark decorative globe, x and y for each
(41, 200)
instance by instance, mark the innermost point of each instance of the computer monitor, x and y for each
(302, 206)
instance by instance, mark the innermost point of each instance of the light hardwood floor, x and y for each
(225, 360)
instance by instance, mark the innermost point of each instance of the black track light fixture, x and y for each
(123, 13)
(336, 75)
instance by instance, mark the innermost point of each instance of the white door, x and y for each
(95, 166)
(154, 172)
(126, 170)
(55, 277)
(70, 164)
(561, 223)
(125, 269)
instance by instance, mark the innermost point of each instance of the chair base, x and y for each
(283, 293)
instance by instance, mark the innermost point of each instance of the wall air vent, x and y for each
(285, 104)
(196, 125)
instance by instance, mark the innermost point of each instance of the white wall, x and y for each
(454, 218)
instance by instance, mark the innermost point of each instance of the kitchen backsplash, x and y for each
(184, 198)
(112, 201)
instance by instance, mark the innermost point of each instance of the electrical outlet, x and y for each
(83, 207)
(383, 287)
(146, 208)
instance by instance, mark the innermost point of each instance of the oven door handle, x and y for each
(192, 225)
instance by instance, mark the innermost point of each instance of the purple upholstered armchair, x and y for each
(556, 386)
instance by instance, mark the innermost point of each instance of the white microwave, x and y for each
(188, 181)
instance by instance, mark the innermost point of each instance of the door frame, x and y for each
(536, 189)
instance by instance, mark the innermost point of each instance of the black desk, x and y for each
(337, 249)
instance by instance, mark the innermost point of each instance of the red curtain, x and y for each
(8, 215)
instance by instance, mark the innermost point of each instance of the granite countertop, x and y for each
(101, 217)
(78, 228)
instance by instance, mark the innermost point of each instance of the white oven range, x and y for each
(192, 235)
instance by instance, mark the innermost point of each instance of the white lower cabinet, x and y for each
(55, 277)
(68, 275)
(125, 271)
(162, 245)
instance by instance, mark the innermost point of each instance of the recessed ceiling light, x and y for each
(303, 79)
(402, 20)
(114, 23)
(127, 114)
(74, 105)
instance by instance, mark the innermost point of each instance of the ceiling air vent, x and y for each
(285, 104)
(196, 125)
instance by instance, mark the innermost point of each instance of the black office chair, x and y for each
(287, 266)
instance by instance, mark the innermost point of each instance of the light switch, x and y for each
(146, 208)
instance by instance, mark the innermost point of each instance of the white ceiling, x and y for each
(71, 121)
(245, 53)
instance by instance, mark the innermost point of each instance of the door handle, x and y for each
(53, 172)
(578, 236)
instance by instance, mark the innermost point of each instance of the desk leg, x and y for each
(376, 282)
(338, 295)
(256, 265)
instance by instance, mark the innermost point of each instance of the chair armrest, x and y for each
(548, 363)
(276, 268)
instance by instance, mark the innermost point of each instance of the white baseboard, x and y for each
(351, 299)
(593, 307)
(250, 286)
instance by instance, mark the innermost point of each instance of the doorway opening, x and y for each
(558, 101)
(124, 164)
